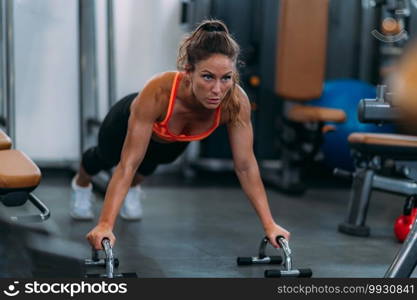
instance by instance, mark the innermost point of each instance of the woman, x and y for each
(172, 109)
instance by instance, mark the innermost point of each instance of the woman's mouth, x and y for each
(213, 100)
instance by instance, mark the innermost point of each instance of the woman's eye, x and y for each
(227, 78)
(207, 77)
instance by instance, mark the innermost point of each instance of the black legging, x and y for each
(111, 137)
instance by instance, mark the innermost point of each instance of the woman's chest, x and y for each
(189, 123)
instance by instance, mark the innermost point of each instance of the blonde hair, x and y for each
(212, 37)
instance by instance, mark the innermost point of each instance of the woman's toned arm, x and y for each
(247, 170)
(145, 110)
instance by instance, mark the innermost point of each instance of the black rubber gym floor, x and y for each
(197, 228)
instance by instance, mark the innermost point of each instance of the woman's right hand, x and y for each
(273, 231)
(98, 233)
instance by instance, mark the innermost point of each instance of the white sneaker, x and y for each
(81, 202)
(132, 207)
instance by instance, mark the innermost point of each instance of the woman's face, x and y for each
(211, 79)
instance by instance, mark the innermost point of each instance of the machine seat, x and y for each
(307, 114)
(394, 146)
(17, 172)
(5, 141)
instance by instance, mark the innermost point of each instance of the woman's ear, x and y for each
(188, 68)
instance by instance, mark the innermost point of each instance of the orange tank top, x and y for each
(161, 128)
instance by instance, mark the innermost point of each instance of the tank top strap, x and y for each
(173, 96)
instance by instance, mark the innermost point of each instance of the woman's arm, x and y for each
(145, 110)
(247, 170)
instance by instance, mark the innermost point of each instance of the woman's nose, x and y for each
(216, 87)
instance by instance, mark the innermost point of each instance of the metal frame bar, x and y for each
(44, 215)
(7, 67)
(111, 64)
(364, 183)
(88, 94)
(405, 261)
(3, 94)
(386, 184)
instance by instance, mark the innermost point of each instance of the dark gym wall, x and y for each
(413, 20)
(352, 52)
(343, 39)
(269, 105)
(253, 24)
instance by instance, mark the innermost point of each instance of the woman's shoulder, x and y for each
(243, 99)
(158, 85)
(155, 92)
(241, 94)
(161, 80)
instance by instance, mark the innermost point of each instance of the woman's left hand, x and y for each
(274, 231)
